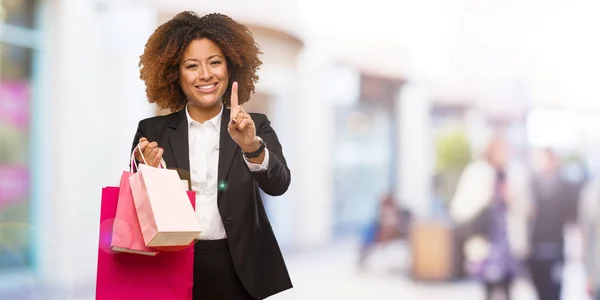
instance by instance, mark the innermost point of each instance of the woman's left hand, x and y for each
(241, 127)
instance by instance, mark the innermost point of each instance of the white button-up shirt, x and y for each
(203, 141)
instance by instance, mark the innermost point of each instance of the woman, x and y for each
(490, 208)
(203, 69)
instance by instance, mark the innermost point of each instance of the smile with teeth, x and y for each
(207, 87)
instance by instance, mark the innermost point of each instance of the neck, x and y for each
(202, 114)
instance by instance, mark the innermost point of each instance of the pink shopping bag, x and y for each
(127, 276)
(127, 234)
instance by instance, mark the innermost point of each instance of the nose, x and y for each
(205, 73)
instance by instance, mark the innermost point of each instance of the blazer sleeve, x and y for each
(140, 132)
(276, 179)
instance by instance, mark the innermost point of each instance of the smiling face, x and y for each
(203, 74)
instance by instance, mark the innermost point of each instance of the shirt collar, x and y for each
(215, 121)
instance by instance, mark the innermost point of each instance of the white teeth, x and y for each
(206, 87)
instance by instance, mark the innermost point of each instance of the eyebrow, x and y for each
(212, 56)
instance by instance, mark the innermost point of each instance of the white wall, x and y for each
(415, 163)
(313, 126)
(93, 99)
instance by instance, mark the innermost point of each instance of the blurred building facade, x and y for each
(358, 117)
(19, 46)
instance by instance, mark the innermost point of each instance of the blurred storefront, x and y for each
(365, 151)
(19, 48)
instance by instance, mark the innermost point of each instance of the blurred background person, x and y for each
(390, 224)
(555, 207)
(589, 221)
(490, 212)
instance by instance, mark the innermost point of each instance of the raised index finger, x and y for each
(234, 100)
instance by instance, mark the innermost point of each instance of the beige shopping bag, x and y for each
(165, 213)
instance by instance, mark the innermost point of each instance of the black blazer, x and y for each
(255, 252)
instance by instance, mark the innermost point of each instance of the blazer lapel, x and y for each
(178, 140)
(227, 148)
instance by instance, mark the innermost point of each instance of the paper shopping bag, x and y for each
(165, 214)
(127, 233)
(126, 276)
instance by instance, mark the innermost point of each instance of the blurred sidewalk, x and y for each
(331, 273)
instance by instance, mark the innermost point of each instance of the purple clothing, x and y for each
(500, 263)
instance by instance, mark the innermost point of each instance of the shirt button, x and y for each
(228, 216)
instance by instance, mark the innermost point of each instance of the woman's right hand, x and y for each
(152, 154)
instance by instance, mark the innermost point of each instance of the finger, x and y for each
(149, 148)
(245, 117)
(235, 107)
(239, 117)
(159, 154)
(234, 95)
(148, 152)
(143, 145)
(150, 159)
(138, 157)
(243, 124)
(241, 114)
(143, 139)
(231, 125)
(233, 117)
(138, 153)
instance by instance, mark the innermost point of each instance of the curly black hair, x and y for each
(159, 64)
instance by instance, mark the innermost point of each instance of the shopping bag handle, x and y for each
(161, 165)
